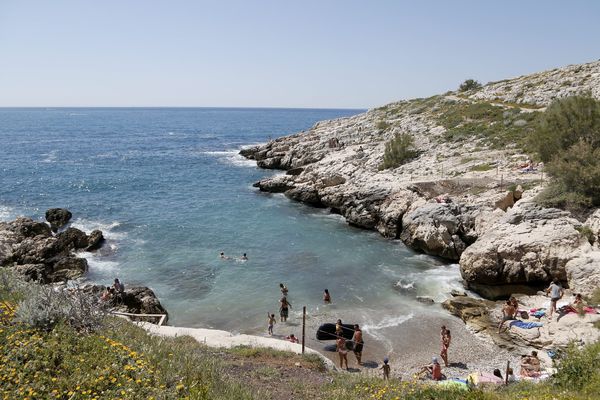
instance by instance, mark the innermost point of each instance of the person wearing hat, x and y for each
(434, 370)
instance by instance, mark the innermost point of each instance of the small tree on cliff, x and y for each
(398, 151)
(469, 84)
(568, 140)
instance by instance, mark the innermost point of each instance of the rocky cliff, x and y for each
(457, 198)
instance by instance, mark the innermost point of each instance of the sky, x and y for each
(315, 54)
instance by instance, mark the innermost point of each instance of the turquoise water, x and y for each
(170, 192)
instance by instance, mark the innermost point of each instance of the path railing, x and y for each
(161, 317)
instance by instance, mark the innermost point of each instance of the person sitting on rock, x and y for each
(106, 294)
(433, 370)
(508, 314)
(118, 286)
(530, 365)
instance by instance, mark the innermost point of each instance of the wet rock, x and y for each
(305, 194)
(71, 239)
(456, 293)
(274, 185)
(95, 240)
(140, 300)
(425, 299)
(58, 217)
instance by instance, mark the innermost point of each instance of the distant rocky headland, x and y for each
(51, 253)
(467, 194)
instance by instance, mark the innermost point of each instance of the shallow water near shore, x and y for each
(170, 192)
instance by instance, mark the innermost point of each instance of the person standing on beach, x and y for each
(271, 321)
(339, 329)
(326, 297)
(556, 293)
(342, 351)
(357, 339)
(445, 337)
(386, 369)
(284, 307)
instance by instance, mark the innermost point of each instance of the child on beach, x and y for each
(271, 321)
(284, 289)
(386, 369)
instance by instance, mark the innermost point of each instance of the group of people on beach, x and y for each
(356, 343)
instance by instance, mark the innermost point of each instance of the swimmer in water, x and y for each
(244, 257)
(223, 256)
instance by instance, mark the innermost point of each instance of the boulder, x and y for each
(333, 180)
(529, 245)
(140, 300)
(392, 210)
(95, 240)
(593, 223)
(435, 229)
(28, 228)
(583, 273)
(294, 171)
(277, 184)
(473, 311)
(71, 239)
(67, 268)
(58, 217)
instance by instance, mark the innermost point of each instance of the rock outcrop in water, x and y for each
(32, 249)
(462, 197)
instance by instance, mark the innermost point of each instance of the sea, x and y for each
(170, 192)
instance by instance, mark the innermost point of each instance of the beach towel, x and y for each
(526, 325)
(538, 313)
(483, 377)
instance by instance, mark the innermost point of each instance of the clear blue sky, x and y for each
(278, 53)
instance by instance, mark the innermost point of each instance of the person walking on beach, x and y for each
(342, 351)
(326, 297)
(386, 369)
(556, 293)
(446, 338)
(271, 321)
(357, 339)
(284, 289)
(284, 307)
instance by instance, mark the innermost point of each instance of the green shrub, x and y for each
(398, 151)
(469, 84)
(586, 232)
(482, 167)
(578, 368)
(566, 122)
(382, 125)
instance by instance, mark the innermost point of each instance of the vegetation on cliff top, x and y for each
(398, 151)
(568, 141)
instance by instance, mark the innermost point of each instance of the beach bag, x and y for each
(524, 315)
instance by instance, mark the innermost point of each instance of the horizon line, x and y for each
(191, 107)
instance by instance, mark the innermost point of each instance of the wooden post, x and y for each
(303, 326)
(506, 376)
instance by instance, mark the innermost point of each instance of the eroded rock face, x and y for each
(58, 217)
(583, 273)
(473, 311)
(435, 229)
(529, 245)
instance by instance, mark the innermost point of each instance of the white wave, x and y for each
(7, 213)
(232, 157)
(95, 264)
(387, 322)
(405, 286)
(107, 228)
(50, 157)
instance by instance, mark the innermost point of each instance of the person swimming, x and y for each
(326, 296)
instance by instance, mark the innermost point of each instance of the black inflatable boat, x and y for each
(327, 331)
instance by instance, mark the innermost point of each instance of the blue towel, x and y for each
(526, 325)
(539, 313)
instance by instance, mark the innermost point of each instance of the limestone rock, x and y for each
(306, 194)
(593, 223)
(583, 273)
(274, 185)
(58, 217)
(33, 272)
(529, 245)
(392, 210)
(434, 229)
